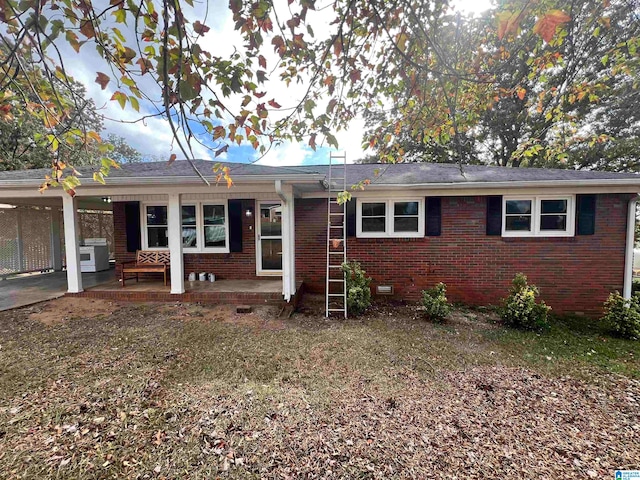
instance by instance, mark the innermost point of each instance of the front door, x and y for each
(269, 241)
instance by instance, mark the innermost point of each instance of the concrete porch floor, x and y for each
(29, 289)
(228, 286)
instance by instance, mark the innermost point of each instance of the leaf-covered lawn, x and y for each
(90, 389)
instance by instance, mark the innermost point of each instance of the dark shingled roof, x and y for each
(379, 174)
(179, 168)
(418, 173)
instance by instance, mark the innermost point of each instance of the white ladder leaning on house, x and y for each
(336, 289)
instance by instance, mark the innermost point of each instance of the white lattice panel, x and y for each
(33, 226)
(9, 251)
(36, 239)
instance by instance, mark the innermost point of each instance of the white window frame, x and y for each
(143, 225)
(200, 226)
(536, 214)
(200, 248)
(389, 218)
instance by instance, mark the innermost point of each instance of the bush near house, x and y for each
(520, 309)
(358, 291)
(435, 303)
(622, 315)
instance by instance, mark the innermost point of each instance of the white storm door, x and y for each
(269, 238)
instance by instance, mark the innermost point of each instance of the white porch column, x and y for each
(56, 245)
(174, 212)
(285, 192)
(71, 244)
(292, 245)
(286, 258)
(630, 243)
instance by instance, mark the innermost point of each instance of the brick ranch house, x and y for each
(473, 228)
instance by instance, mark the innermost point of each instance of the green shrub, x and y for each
(520, 309)
(358, 291)
(435, 303)
(622, 315)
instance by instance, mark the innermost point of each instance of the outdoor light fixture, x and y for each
(249, 213)
(106, 199)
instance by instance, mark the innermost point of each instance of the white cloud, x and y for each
(287, 154)
(350, 140)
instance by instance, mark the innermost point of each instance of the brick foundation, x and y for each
(574, 274)
(270, 298)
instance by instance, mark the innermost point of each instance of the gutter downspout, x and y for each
(628, 254)
(286, 288)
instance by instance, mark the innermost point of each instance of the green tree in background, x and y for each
(570, 100)
(122, 152)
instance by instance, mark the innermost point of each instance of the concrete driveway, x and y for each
(29, 289)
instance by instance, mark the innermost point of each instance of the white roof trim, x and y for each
(596, 182)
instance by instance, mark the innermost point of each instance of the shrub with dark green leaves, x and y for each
(622, 315)
(435, 303)
(520, 309)
(358, 291)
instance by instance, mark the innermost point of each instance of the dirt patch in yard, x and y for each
(62, 309)
(260, 317)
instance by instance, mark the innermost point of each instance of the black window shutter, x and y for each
(351, 218)
(132, 226)
(433, 220)
(494, 215)
(235, 225)
(585, 214)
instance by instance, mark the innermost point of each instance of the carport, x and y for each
(34, 244)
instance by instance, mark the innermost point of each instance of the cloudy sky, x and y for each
(153, 137)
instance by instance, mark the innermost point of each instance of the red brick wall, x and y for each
(574, 274)
(235, 265)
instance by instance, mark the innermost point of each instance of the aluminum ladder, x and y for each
(336, 284)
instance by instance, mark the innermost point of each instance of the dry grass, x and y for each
(150, 391)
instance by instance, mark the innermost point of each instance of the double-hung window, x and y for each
(214, 220)
(406, 217)
(374, 218)
(390, 218)
(156, 226)
(204, 227)
(538, 216)
(189, 226)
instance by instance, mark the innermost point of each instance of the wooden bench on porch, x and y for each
(147, 261)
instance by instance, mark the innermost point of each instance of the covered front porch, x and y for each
(245, 240)
(243, 234)
(235, 236)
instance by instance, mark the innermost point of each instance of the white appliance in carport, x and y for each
(94, 255)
